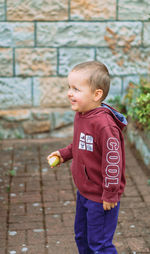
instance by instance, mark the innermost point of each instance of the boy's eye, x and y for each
(73, 88)
(76, 89)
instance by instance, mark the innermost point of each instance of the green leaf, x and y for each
(8, 188)
(12, 172)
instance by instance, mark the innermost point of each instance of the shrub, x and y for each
(137, 102)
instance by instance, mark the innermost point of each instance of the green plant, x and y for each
(137, 102)
(12, 172)
(8, 188)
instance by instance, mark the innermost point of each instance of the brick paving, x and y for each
(37, 203)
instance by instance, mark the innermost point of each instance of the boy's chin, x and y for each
(74, 108)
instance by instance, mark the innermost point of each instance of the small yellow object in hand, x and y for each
(54, 161)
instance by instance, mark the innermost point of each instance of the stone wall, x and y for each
(41, 40)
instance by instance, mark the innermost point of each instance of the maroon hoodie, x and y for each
(98, 165)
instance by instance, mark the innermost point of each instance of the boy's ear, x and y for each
(98, 94)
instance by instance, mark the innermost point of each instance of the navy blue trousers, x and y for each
(95, 227)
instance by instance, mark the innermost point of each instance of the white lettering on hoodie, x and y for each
(113, 158)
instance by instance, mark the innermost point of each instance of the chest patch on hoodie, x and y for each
(86, 142)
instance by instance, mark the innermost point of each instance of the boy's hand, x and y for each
(108, 206)
(56, 153)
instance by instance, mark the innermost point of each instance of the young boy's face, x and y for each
(81, 97)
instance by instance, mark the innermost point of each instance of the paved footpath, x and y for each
(37, 203)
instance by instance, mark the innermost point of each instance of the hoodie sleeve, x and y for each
(111, 163)
(66, 152)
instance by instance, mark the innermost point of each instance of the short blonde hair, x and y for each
(99, 77)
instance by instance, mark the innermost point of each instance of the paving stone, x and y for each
(16, 238)
(65, 195)
(35, 236)
(143, 214)
(121, 245)
(134, 228)
(25, 197)
(2, 250)
(68, 219)
(53, 219)
(17, 209)
(59, 229)
(137, 245)
(38, 249)
(126, 214)
(50, 196)
(25, 225)
(3, 242)
(62, 244)
(131, 191)
(144, 189)
(60, 207)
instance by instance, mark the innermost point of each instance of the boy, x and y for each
(98, 165)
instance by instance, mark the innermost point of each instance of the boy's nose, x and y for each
(69, 93)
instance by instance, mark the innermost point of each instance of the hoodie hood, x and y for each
(120, 118)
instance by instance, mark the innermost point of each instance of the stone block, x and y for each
(126, 80)
(141, 144)
(93, 10)
(69, 57)
(15, 92)
(36, 62)
(133, 10)
(146, 34)
(70, 34)
(6, 62)
(122, 62)
(50, 92)
(115, 88)
(37, 10)
(11, 130)
(41, 114)
(123, 34)
(32, 127)
(88, 34)
(62, 119)
(2, 9)
(16, 34)
(15, 115)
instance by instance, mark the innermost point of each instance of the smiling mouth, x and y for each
(72, 101)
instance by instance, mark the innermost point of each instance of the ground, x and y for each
(37, 203)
